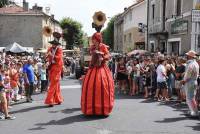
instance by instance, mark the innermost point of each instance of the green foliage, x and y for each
(85, 43)
(108, 34)
(3, 3)
(129, 49)
(72, 32)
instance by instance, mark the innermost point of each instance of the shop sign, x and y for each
(195, 15)
(179, 27)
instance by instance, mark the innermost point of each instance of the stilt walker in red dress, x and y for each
(55, 60)
(98, 85)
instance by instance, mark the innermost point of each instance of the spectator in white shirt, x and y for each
(161, 80)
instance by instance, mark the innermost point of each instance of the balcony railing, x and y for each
(156, 25)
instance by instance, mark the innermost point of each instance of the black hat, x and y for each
(54, 42)
(56, 36)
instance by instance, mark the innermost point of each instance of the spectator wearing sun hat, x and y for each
(190, 82)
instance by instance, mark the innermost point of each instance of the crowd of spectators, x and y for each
(23, 76)
(156, 76)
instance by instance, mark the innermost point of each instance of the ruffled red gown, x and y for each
(98, 88)
(54, 92)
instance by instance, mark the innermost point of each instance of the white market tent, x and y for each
(15, 48)
(1, 49)
(29, 49)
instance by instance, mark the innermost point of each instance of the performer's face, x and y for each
(95, 42)
(54, 46)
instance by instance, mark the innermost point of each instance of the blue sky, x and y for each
(82, 10)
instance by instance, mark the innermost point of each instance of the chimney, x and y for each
(52, 17)
(25, 5)
(37, 8)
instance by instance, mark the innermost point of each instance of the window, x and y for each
(153, 11)
(124, 38)
(198, 41)
(178, 7)
(163, 47)
(126, 19)
(129, 37)
(175, 48)
(130, 16)
(152, 47)
(164, 14)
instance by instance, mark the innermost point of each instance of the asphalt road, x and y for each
(131, 115)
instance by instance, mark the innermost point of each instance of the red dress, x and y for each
(98, 88)
(54, 93)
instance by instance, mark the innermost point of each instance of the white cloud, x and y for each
(82, 10)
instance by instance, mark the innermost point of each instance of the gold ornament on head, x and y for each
(99, 18)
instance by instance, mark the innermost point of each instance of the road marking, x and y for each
(71, 87)
(104, 131)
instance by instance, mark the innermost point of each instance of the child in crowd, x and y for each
(8, 90)
(43, 78)
(3, 100)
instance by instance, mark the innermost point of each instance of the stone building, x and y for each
(170, 27)
(25, 26)
(127, 36)
(118, 34)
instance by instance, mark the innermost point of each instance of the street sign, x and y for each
(195, 15)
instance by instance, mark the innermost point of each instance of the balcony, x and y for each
(157, 26)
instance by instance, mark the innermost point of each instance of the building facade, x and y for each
(118, 34)
(25, 26)
(133, 17)
(170, 27)
(127, 35)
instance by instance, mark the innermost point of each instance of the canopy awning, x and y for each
(15, 48)
(1, 49)
(140, 39)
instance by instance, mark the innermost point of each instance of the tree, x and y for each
(72, 32)
(108, 33)
(3, 3)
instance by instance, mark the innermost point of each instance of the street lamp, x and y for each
(142, 27)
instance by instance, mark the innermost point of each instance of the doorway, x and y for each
(152, 46)
(163, 47)
(174, 48)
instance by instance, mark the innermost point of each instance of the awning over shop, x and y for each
(140, 39)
